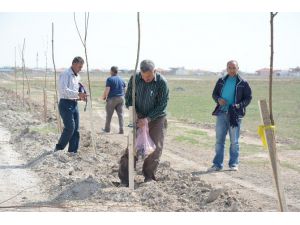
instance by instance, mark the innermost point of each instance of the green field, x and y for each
(190, 101)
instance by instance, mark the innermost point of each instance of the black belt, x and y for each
(72, 100)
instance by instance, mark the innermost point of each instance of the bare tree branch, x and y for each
(83, 43)
(86, 23)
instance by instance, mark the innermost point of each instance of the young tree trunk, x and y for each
(46, 66)
(59, 126)
(272, 15)
(16, 72)
(25, 75)
(83, 41)
(132, 150)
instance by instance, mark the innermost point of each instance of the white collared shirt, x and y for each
(68, 85)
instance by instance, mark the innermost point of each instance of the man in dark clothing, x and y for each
(114, 96)
(232, 95)
(152, 95)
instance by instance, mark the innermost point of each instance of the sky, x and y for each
(194, 40)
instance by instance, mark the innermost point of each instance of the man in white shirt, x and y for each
(68, 87)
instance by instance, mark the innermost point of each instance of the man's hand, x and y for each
(237, 106)
(103, 97)
(222, 101)
(82, 96)
(140, 123)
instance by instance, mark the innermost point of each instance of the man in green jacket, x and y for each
(152, 95)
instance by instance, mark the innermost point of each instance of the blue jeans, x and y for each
(69, 113)
(222, 127)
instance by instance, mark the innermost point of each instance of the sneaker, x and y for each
(214, 169)
(121, 132)
(233, 168)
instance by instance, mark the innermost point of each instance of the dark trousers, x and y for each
(112, 104)
(157, 131)
(69, 113)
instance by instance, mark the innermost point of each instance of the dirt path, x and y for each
(18, 184)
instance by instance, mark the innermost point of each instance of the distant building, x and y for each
(98, 71)
(7, 69)
(266, 72)
(178, 71)
(282, 73)
(200, 72)
(162, 71)
(295, 71)
(279, 73)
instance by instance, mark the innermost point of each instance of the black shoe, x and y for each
(121, 132)
(124, 184)
(105, 131)
(148, 180)
(55, 149)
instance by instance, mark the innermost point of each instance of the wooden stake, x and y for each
(270, 138)
(132, 149)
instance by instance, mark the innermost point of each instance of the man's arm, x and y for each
(215, 95)
(124, 86)
(247, 96)
(128, 95)
(105, 93)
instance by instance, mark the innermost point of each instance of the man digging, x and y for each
(152, 95)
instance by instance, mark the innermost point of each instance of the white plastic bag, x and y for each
(144, 145)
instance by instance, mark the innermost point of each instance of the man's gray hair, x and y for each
(147, 65)
(232, 62)
(78, 59)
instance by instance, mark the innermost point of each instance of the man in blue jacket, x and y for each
(232, 94)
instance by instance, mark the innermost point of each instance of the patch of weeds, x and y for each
(187, 139)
